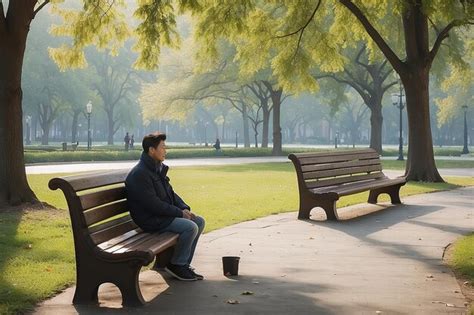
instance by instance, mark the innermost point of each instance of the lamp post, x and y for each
(399, 101)
(28, 130)
(89, 111)
(465, 149)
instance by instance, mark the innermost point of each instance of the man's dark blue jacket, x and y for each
(152, 202)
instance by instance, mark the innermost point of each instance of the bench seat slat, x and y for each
(119, 227)
(340, 180)
(352, 188)
(137, 239)
(342, 171)
(119, 239)
(154, 242)
(330, 166)
(99, 198)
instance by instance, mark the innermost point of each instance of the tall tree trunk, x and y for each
(45, 137)
(245, 119)
(420, 164)
(277, 143)
(376, 121)
(75, 118)
(14, 188)
(266, 122)
(110, 129)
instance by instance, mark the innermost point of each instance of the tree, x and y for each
(97, 22)
(367, 78)
(266, 30)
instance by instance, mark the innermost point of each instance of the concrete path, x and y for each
(98, 166)
(387, 261)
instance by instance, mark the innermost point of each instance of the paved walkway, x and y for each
(97, 166)
(388, 261)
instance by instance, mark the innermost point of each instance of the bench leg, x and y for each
(329, 206)
(86, 292)
(393, 191)
(127, 282)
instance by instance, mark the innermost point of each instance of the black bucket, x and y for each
(231, 265)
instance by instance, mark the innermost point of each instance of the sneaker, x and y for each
(180, 272)
(198, 276)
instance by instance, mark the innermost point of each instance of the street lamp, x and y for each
(89, 111)
(399, 101)
(28, 130)
(465, 149)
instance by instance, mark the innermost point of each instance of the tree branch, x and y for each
(45, 2)
(301, 29)
(396, 63)
(441, 36)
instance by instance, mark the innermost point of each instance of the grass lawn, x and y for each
(462, 261)
(37, 254)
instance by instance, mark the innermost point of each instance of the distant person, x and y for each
(126, 141)
(132, 142)
(217, 145)
(155, 207)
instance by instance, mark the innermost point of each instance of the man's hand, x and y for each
(188, 214)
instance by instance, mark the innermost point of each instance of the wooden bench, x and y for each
(109, 246)
(324, 177)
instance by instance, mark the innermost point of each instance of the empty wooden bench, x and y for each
(109, 246)
(324, 177)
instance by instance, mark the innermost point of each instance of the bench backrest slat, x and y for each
(323, 169)
(338, 158)
(342, 180)
(90, 181)
(342, 171)
(104, 212)
(98, 198)
(330, 166)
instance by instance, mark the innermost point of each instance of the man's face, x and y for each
(159, 153)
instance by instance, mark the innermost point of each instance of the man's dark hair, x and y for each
(152, 140)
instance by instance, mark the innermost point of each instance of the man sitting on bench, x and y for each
(155, 207)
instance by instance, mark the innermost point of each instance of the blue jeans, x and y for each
(189, 232)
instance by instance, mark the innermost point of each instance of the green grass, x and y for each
(224, 195)
(400, 165)
(463, 257)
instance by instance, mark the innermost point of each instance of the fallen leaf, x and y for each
(456, 291)
(429, 276)
(250, 244)
(311, 238)
(419, 239)
(232, 302)
(466, 282)
(247, 293)
(283, 276)
(28, 246)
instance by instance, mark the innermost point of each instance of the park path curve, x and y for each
(379, 258)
